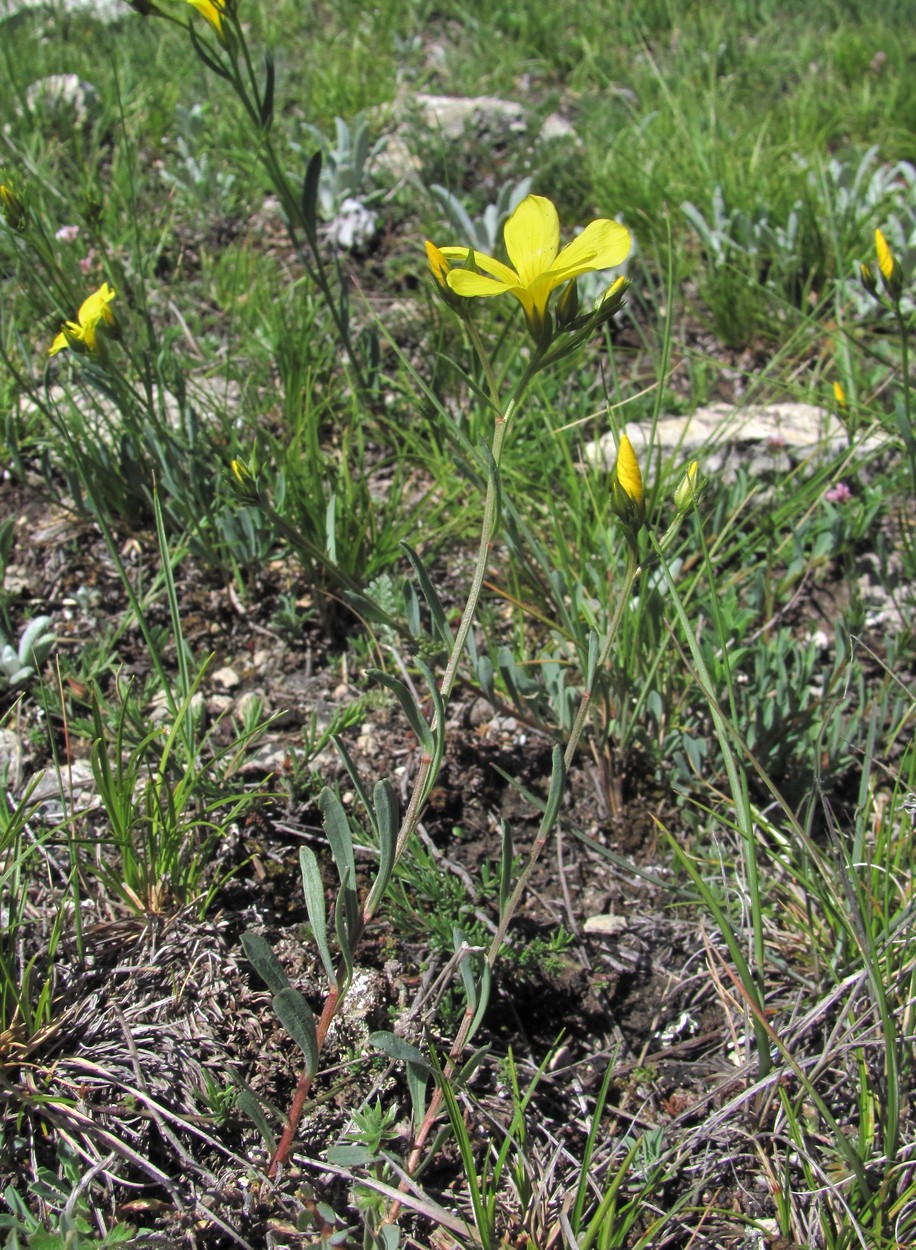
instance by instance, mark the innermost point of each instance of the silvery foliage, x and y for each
(859, 199)
(732, 234)
(18, 664)
(849, 197)
(345, 163)
(193, 172)
(481, 233)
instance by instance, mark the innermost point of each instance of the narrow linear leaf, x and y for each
(310, 193)
(386, 827)
(428, 590)
(313, 889)
(410, 709)
(345, 924)
(353, 774)
(506, 852)
(296, 1016)
(592, 664)
(337, 827)
(249, 1105)
(264, 961)
(397, 1048)
(437, 749)
(267, 102)
(555, 793)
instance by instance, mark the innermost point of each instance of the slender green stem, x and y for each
(632, 572)
(425, 777)
(738, 785)
(907, 410)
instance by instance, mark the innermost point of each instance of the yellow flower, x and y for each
(537, 264)
(627, 493)
(840, 396)
(213, 11)
(688, 492)
(82, 335)
(890, 270)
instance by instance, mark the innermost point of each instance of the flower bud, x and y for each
(688, 491)
(568, 305)
(627, 497)
(840, 396)
(868, 280)
(12, 208)
(891, 275)
(244, 482)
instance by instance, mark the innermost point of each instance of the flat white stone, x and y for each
(767, 437)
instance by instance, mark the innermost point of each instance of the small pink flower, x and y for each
(839, 493)
(88, 261)
(67, 234)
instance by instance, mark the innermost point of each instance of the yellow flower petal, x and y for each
(82, 334)
(212, 12)
(438, 265)
(489, 264)
(466, 282)
(532, 236)
(601, 245)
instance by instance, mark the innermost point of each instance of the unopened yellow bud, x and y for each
(868, 280)
(12, 208)
(244, 481)
(891, 275)
(628, 499)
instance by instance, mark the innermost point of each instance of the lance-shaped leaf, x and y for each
(506, 851)
(418, 1069)
(412, 608)
(296, 1016)
(267, 101)
(313, 889)
(353, 774)
(476, 993)
(411, 711)
(346, 924)
(438, 740)
(592, 665)
(433, 602)
(310, 194)
(337, 827)
(386, 826)
(265, 962)
(555, 793)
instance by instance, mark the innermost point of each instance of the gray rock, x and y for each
(767, 439)
(452, 115)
